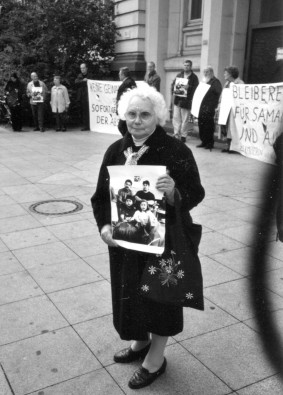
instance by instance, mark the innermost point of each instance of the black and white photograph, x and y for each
(138, 209)
(141, 197)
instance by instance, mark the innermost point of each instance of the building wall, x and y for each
(159, 30)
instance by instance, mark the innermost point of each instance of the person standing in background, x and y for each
(231, 75)
(151, 77)
(207, 109)
(182, 117)
(128, 83)
(37, 91)
(14, 91)
(59, 103)
(82, 94)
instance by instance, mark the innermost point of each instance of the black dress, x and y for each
(133, 316)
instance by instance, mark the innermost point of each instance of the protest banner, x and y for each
(257, 119)
(199, 94)
(102, 106)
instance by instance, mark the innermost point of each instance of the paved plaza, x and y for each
(56, 332)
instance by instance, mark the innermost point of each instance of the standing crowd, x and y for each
(182, 90)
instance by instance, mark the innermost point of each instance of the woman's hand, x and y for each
(106, 235)
(166, 184)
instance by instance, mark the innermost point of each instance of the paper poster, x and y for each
(102, 106)
(225, 106)
(137, 208)
(257, 119)
(181, 87)
(37, 94)
(199, 94)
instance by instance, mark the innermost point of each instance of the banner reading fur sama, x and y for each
(257, 119)
(102, 106)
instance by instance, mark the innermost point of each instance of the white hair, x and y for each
(144, 91)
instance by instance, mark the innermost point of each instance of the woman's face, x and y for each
(140, 117)
(227, 76)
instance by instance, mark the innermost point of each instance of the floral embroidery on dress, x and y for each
(189, 295)
(145, 288)
(152, 269)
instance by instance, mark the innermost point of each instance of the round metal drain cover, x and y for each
(56, 207)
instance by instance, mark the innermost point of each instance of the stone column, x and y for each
(224, 34)
(156, 35)
(130, 45)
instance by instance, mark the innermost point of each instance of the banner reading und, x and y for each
(257, 119)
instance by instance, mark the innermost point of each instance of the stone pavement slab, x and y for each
(98, 382)
(47, 359)
(27, 318)
(9, 264)
(233, 353)
(272, 385)
(27, 238)
(234, 298)
(197, 322)
(185, 374)
(101, 337)
(214, 273)
(17, 286)
(64, 275)
(84, 302)
(4, 386)
(44, 254)
(240, 260)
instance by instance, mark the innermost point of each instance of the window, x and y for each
(195, 10)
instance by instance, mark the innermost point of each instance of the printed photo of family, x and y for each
(137, 208)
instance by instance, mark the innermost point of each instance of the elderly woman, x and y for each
(148, 324)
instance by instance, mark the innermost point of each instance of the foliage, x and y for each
(51, 36)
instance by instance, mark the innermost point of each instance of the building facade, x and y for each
(246, 33)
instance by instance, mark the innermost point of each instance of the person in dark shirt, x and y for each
(145, 194)
(127, 84)
(82, 94)
(207, 109)
(128, 210)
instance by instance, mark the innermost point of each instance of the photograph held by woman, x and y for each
(146, 323)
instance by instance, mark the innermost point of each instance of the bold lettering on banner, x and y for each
(102, 120)
(249, 134)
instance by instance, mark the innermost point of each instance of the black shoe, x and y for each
(36, 129)
(58, 130)
(209, 147)
(200, 145)
(64, 129)
(225, 150)
(42, 130)
(127, 355)
(142, 378)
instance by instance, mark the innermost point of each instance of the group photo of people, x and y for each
(137, 208)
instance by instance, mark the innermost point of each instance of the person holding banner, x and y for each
(183, 89)
(37, 91)
(127, 83)
(147, 323)
(82, 94)
(231, 74)
(207, 109)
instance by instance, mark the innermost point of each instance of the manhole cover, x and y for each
(56, 207)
